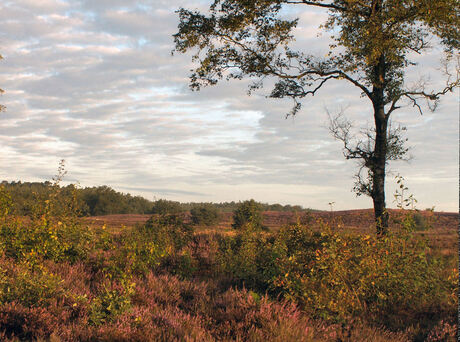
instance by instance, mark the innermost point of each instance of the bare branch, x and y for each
(432, 98)
(338, 74)
(316, 4)
(361, 146)
(414, 103)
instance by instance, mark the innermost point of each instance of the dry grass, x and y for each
(442, 235)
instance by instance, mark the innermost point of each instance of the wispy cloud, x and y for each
(94, 82)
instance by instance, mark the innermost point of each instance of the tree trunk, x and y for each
(378, 170)
(380, 148)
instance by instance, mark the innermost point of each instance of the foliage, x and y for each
(248, 215)
(92, 201)
(394, 281)
(169, 230)
(337, 277)
(205, 214)
(370, 49)
(103, 200)
(247, 257)
(165, 207)
(28, 285)
(161, 281)
(52, 230)
(113, 300)
(227, 207)
(157, 244)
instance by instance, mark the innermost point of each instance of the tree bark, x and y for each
(380, 149)
(378, 172)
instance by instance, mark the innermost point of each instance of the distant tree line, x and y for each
(91, 201)
(228, 207)
(103, 200)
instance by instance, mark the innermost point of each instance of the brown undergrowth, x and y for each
(63, 281)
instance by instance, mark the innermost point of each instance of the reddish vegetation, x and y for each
(359, 220)
(442, 233)
(125, 279)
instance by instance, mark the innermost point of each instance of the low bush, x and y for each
(248, 216)
(389, 281)
(165, 207)
(337, 277)
(22, 323)
(28, 284)
(247, 258)
(204, 214)
(45, 234)
(161, 281)
(160, 244)
(113, 299)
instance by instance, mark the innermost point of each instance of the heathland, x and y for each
(165, 271)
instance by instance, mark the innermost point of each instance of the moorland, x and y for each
(233, 272)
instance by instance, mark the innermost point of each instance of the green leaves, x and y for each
(370, 46)
(248, 216)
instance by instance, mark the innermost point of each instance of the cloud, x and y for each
(94, 82)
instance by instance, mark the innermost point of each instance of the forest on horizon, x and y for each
(104, 200)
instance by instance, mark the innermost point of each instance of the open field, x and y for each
(356, 220)
(441, 226)
(318, 276)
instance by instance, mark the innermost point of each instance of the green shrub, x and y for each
(159, 243)
(204, 214)
(165, 207)
(138, 253)
(169, 230)
(29, 285)
(336, 276)
(112, 301)
(247, 257)
(51, 232)
(248, 215)
(420, 222)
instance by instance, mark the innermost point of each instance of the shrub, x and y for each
(248, 215)
(51, 232)
(159, 243)
(204, 214)
(137, 253)
(165, 207)
(389, 281)
(28, 284)
(247, 259)
(112, 301)
(170, 230)
(20, 323)
(421, 222)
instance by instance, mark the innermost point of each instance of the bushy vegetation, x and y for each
(229, 207)
(248, 216)
(61, 281)
(93, 201)
(204, 214)
(165, 207)
(103, 200)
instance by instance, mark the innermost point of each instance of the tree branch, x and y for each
(316, 4)
(337, 75)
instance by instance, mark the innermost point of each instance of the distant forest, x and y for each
(103, 200)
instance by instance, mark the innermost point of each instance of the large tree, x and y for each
(371, 45)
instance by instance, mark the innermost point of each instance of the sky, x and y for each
(94, 83)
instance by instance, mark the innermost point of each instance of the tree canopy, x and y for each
(249, 38)
(372, 42)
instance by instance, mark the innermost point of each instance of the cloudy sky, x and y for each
(94, 83)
